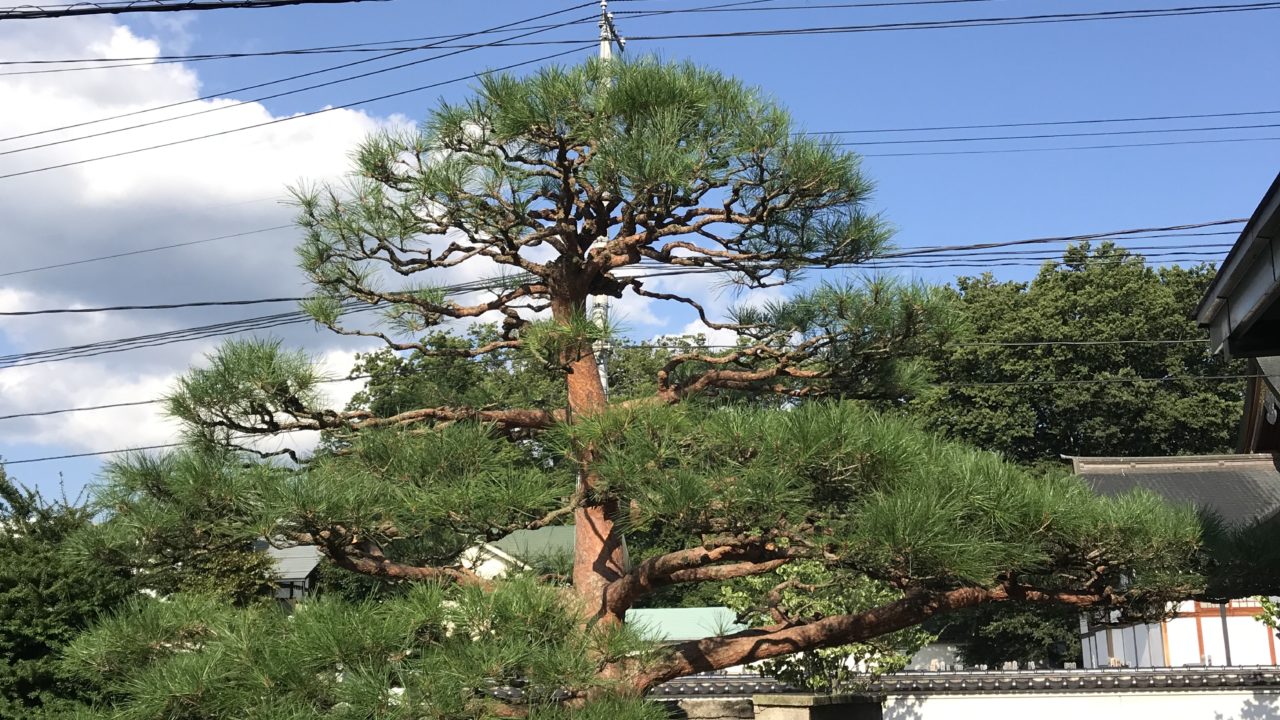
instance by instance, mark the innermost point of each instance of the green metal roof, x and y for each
(548, 543)
(680, 624)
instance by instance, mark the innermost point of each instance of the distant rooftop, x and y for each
(546, 543)
(1240, 489)
(294, 564)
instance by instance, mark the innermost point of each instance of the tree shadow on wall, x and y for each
(1261, 706)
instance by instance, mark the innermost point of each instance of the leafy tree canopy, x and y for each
(47, 596)
(1038, 402)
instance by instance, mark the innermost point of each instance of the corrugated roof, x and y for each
(294, 564)
(680, 624)
(1240, 489)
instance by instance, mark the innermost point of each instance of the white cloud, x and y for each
(188, 192)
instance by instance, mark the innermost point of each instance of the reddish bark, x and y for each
(374, 564)
(598, 558)
(692, 565)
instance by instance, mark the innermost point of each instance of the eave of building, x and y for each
(1241, 309)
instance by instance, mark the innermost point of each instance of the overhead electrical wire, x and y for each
(106, 7)
(1022, 256)
(949, 385)
(142, 251)
(95, 453)
(1053, 18)
(1073, 148)
(361, 47)
(276, 121)
(1045, 123)
(256, 86)
(171, 306)
(1042, 136)
(931, 254)
(273, 96)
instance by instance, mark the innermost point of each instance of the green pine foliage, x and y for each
(432, 652)
(182, 522)
(752, 465)
(47, 596)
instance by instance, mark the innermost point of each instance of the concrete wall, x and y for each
(1244, 704)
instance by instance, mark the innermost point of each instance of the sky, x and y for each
(233, 183)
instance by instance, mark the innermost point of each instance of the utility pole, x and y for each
(602, 349)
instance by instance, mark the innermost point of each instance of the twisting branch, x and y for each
(756, 644)
(698, 564)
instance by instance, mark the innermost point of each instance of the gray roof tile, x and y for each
(1240, 489)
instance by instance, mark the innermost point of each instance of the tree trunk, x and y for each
(598, 557)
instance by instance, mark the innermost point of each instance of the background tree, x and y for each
(1052, 404)
(997, 400)
(675, 168)
(47, 596)
(180, 523)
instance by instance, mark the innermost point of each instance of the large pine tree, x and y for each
(601, 179)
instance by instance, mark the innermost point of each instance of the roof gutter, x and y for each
(1214, 311)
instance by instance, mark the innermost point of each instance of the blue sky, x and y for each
(1198, 64)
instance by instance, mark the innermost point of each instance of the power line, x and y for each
(289, 118)
(143, 251)
(33, 12)
(95, 453)
(671, 346)
(139, 403)
(1054, 18)
(285, 319)
(1062, 238)
(1041, 136)
(1110, 146)
(370, 46)
(952, 385)
(1089, 121)
(943, 259)
(172, 306)
(45, 413)
(256, 86)
(328, 83)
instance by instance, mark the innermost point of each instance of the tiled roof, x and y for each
(969, 682)
(1240, 489)
(1082, 680)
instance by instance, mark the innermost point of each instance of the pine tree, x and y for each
(603, 179)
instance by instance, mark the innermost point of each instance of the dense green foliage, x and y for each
(1075, 399)
(1048, 636)
(47, 596)
(809, 590)
(756, 465)
(432, 653)
(179, 522)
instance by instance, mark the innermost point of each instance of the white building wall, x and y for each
(1184, 648)
(1246, 704)
(1250, 641)
(1214, 650)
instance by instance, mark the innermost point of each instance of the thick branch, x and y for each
(763, 643)
(698, 564)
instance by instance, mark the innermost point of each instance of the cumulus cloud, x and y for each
(188, 192)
